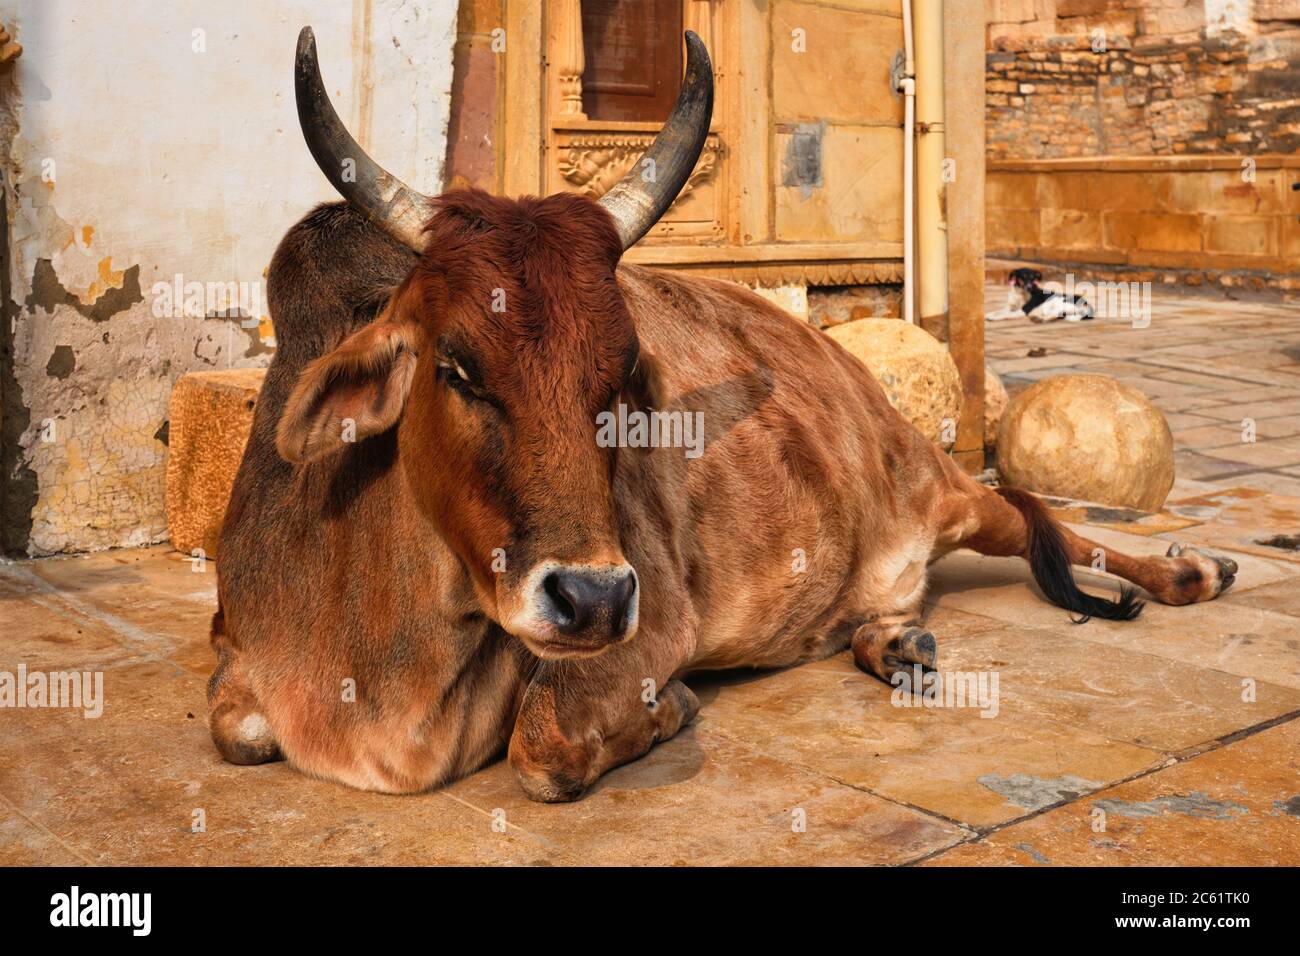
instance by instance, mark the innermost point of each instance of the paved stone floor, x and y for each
(1211, 365)
(1172, 739)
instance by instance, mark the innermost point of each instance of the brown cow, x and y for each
(428, 555)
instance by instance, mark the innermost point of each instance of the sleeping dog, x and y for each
(1026, 297)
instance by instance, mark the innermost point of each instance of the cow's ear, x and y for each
(353, 392)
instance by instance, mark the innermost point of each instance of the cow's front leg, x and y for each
(238, 724)
(580, 719)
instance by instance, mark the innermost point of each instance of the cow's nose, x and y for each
(590, 602)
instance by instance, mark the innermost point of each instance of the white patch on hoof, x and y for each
(254, 730)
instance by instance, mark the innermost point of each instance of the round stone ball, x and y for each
(995, 403)
(915, 370)
(1087, 437)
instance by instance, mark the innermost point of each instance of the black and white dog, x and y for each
(1026, 297)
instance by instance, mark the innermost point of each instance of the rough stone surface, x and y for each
(835, 305)
(1088, 437)
(1122, 79)
(211, 415)
(995, 403)
(792, 298)
(1201, 806)
(1139, 78)
(914, 368)
(1204, 225)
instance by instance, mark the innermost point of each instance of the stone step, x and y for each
(211, 416)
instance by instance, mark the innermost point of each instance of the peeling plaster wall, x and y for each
(142, 141)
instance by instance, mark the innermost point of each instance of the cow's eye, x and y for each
(454, 374)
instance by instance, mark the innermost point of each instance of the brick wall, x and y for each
(1076, 78)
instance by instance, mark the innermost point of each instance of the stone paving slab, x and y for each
(1201, 360)
(1243, 520)
(131, 786)
(1238, 805)
(25, 844)
(836, 721)
(125, 788)
(705, 798)
(1250, 642)
(1127, 695)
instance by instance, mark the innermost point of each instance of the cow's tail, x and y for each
(1049, 561)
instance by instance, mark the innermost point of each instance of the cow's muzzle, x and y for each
(577, 610)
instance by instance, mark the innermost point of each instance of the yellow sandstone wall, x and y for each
(832, 93)
(1194, 221)
(1152, 140)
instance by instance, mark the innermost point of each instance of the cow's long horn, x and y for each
(638, 199)
(397, 208)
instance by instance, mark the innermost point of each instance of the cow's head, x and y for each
(493, 359)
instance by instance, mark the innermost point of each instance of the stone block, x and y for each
(853, 193)
(837, 69)
(1152, 231)
(916, 371)
(1071, 229)
(1087, 437)
(1011, 190)
(1010, 229)
(211, 417)
(1242, 235)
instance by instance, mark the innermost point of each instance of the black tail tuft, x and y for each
(1050, 565)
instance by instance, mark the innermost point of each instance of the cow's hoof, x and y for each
(1207, 574)
(243, 736)
(674, 708)
(914, 646)
(885, 656)
(554, 772)
(551, 788)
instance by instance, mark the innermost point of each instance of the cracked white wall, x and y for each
(145, 141)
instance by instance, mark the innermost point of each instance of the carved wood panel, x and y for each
(591, 161)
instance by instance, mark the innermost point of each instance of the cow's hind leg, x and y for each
(239, 728)
(1013, 522)
(891, 639)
